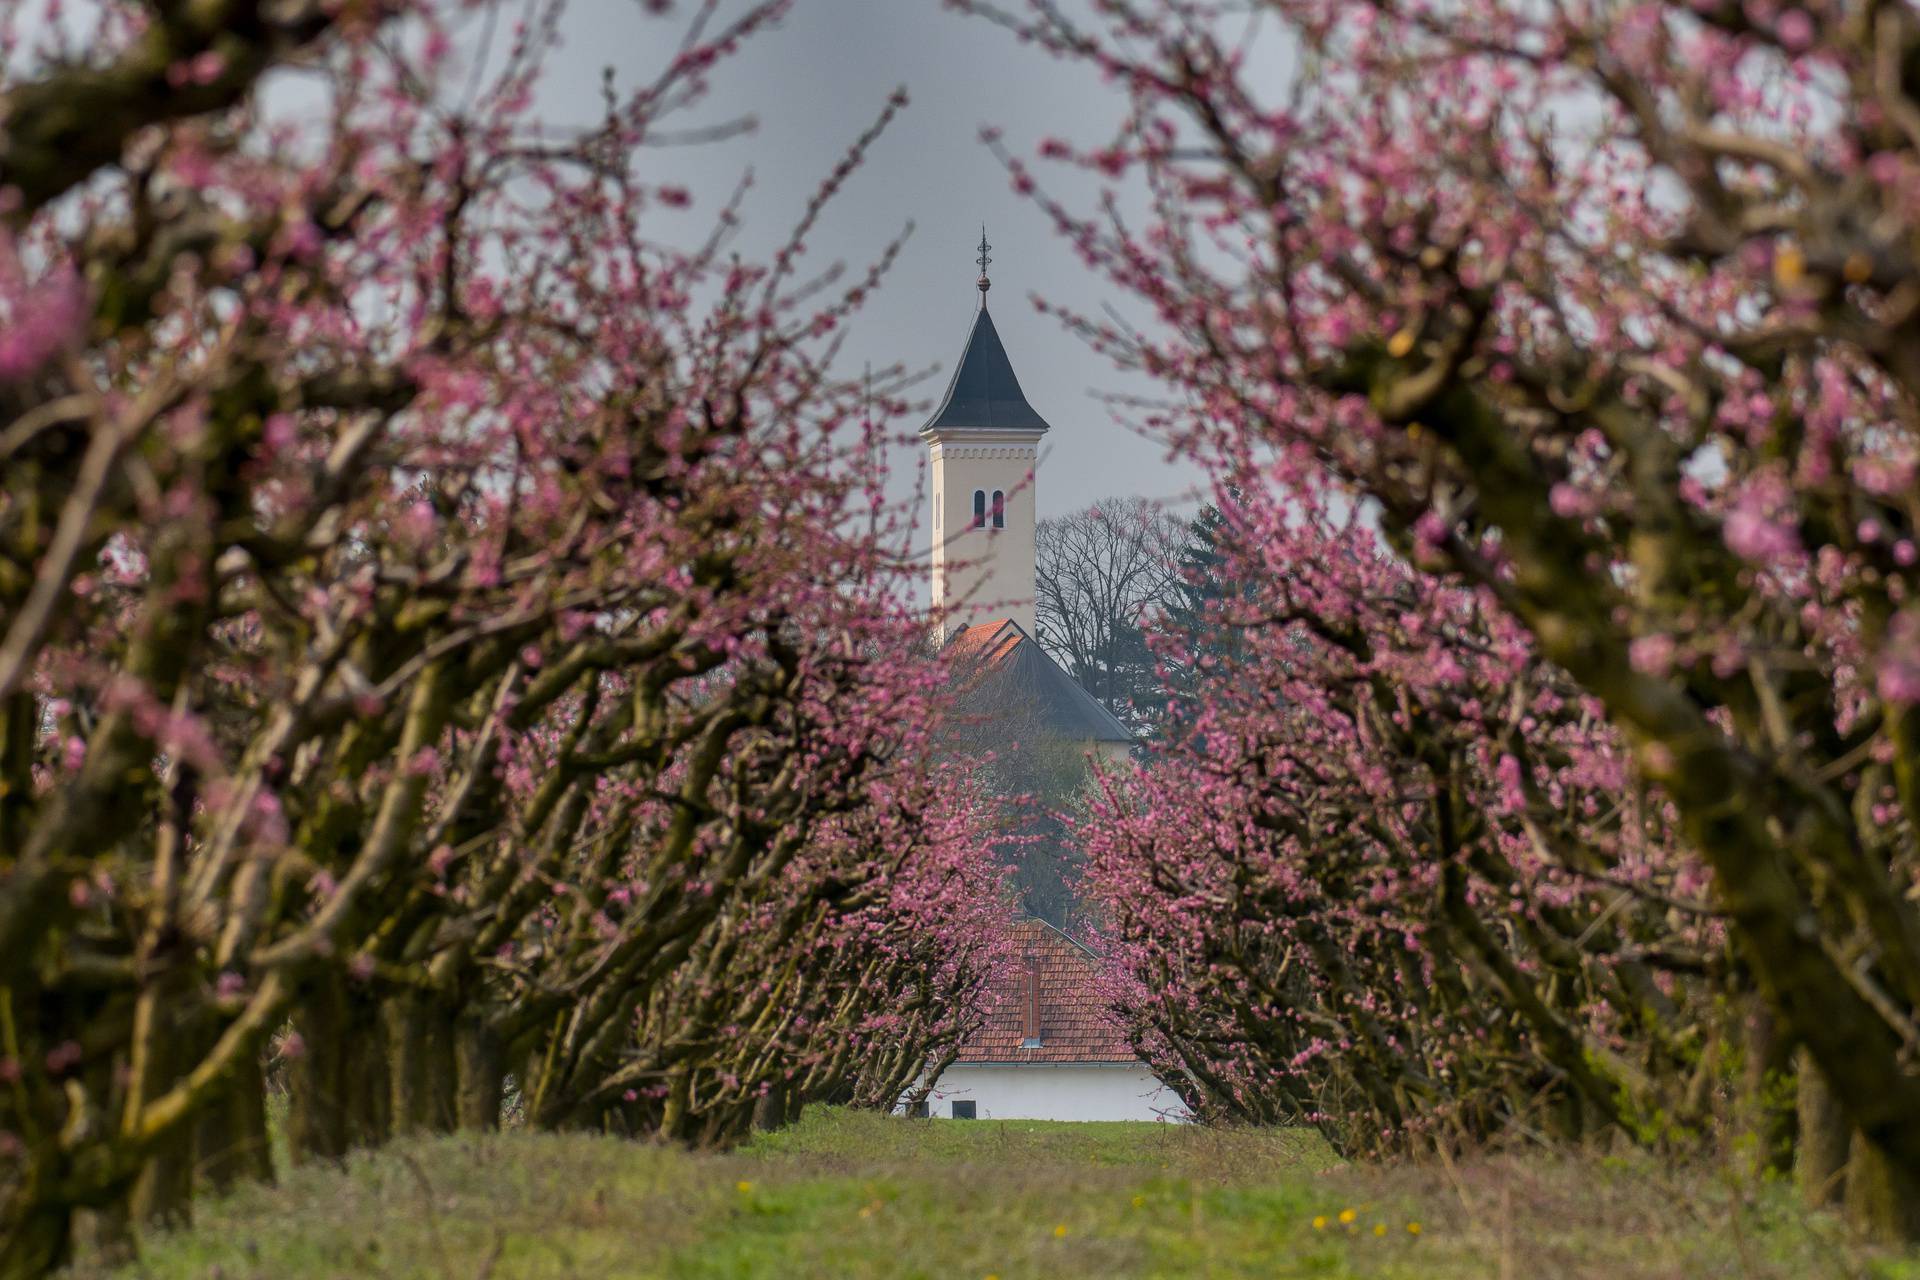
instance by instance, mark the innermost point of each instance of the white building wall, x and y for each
(980, 575)
(1068, 1091)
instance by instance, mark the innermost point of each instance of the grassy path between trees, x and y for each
(855, 1195)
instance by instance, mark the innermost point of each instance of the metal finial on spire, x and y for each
(983, 260)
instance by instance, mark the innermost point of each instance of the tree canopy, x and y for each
(1605, 313)
(445, 632)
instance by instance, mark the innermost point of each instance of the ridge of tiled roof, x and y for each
(1000, 655)
(1075, 1025)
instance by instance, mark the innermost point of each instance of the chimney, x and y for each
(1030, 1005)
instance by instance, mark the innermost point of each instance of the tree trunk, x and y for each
(673, 1114)
(1762, 1109)
(483, 1075)
(369, 1093)
(34, 1238)
(1883, 1200)
(770, 1110)
(230, 1138)
(420, 1046)
(163, 1193)
(164, 1042)
(1820, 1165)
(317, 1078)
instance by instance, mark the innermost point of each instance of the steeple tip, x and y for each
(984, 283)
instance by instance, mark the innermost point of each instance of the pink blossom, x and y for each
(1758, 539)
(1795, 29)
(1652, 655)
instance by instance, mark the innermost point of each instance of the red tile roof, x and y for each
(1074, 1023)
(986, 644)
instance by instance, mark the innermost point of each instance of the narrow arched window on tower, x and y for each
(999, 509)
(979, 508)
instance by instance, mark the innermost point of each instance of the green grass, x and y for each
(852, 1195)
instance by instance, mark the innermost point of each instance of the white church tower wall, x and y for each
(983, 536)
(983, 444)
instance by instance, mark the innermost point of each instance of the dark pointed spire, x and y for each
(984, 394)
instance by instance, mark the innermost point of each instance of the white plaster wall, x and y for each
(983, 574)
(1073, 1091)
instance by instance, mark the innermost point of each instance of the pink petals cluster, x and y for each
(445, 632)
(1604, 315)
(41, 314)
(1388, 827)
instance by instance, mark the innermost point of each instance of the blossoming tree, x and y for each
(1394, 878)
(440, 626)
(1609, 310)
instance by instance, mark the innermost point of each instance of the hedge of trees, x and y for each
(1405, 886)
(1604, 315)
(447, 656)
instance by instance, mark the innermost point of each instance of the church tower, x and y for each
(984, 445)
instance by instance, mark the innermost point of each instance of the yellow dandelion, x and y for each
(1060, 1232)
(1400, 343)
(1379, 1228)
(1413, 1228)
(1789, 266)
(1347, 1216)
(1139, 1201)
(743, 1187)
(1320, 1222)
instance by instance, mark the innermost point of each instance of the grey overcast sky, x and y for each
(812, 85)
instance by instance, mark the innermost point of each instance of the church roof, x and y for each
(999, 663)
(984, 394)
(1074, 1022)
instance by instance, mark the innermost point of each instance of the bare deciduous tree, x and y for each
(1103, 572)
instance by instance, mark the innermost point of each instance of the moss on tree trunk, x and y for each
(1882, 1199)
(482, 1071)
(1820, 1158)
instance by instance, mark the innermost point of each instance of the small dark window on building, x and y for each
(979, 508)
(964, 1111)
(999, 509)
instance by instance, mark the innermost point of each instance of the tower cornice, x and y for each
(981, 435)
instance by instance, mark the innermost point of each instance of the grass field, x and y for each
(853, 1195)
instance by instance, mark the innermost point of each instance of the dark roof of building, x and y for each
(984, 394)
(999, 667)
(1075, 1026)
